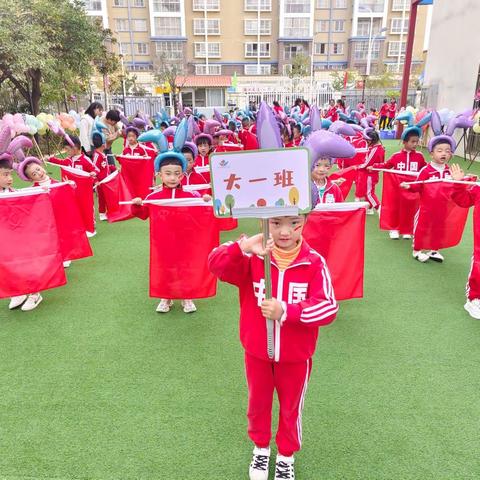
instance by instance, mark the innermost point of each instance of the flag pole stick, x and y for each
(268, 287)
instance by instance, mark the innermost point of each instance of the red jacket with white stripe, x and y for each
(304, 288)
(82, 162)
(375, 155)
(429, 172)
(331, 194)
(409, 161)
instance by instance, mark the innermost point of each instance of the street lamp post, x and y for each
(371, 42)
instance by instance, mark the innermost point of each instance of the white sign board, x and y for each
(260, 178)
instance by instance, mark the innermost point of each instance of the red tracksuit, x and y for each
(104, 170)
(81, 162)
(332, 114)
(138, 151)
(366, 180)
(468, 197)
(404, 160)
(428, 172)
(360, 144)
(228, 147)
(331, 194)
(195, 178)
(143, 211)
(306, 292)
(248, 139)
(297, 141)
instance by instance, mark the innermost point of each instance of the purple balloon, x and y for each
(436, 123)
(315, 118)
(327, 144)
(268, 132)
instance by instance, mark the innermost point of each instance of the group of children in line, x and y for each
(296, 316)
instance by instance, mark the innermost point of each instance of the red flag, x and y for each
(138, 174)
(74, 243)
(226, 224)
(114, 190)
(83, 193)
(345, 79)
(337, 232)
(399, 206)
(181, 238)
(440, 221)
(30, 257)
(349, 175)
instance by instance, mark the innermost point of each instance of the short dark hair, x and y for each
(385, 100)
(113, 115)
(187, 150)
(97, 140)
(410, 134)
(5, 164)
(374, 137)
(75, 140)
(170, 161)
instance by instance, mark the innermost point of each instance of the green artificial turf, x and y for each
(95, 385)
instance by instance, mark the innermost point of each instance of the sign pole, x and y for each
(268, 288)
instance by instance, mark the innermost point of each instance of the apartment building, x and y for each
(261, 37)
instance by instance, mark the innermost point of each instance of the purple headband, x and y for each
(23, 165)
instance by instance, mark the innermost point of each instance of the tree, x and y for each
(230, 202)
(171, 74)
(53, 42)
(299, 68)
(385, 79)
(338, 79)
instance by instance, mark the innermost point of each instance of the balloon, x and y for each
(76, 117)
(476, 128)
(66, 121)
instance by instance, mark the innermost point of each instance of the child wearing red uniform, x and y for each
(297, 135)
(75, 157)
(407, 160)
(191, 176)
(384, 114)
(302, 301)
(328, 192)
(104, 170)
(132, 146)
(331, 113)
(391, 113)
(468, 196)
(247, 138)
(203, 141)
(440, 148)
(366, 180)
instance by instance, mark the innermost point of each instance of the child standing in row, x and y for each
(75, 157)
(328, 192)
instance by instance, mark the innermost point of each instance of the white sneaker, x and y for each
(357, 199)
(284, 468)
(473, 308)
(102, 217)
(164, 305)
(407, 237)
(91, 234)
(67, 263)
(188, 306)
(259, 467)
(420, 256)
(435, 256)
(32, 302)
(15, 302)
(370, 211)
(393, 234)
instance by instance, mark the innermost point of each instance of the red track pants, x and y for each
(290, 380)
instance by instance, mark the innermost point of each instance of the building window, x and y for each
(360, 51)
(168, 26)
(296, 27)
(139, 25)
(338, 25)
(213, 26)
(124, 48)
(337, 48)
(208, 70)
(170, 50)
(339, 3)
(367, 6)
(167, 6)
(119, 3)
(292, 50)
(297, 6)
(121, 25)
(323, 4)
(394, 48)
(363, 26)
(139, 3)
(215, 97)
(253, 69)
(321, 26)
(252, 5)
(251, 27)
(393, 67)
(252, 50)
(142, 48)
(396, 26)
(94, 5)
(201, 49)
(209, 5)
(140, 68)
(400, 5)
(320, 49)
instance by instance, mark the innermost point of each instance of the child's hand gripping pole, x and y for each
(268, 287)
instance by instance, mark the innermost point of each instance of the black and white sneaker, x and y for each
(259, 467)
(284, 468)
(435, 256)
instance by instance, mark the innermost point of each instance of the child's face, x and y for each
(171, 175)
(131, 138)
(286, 231)
(222, 139)
(72, 151)
(296, 133)
(441, 154)
(321, 169)
(190, 161)
(203, 149)
(6, 177)
(411, 144)
(35, 172)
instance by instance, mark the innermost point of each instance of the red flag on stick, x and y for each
(114, 190)
(83, 193)
(74, 243)
(399, 206)
(337, 232)
(137, 173)
(440, 221)
(349, 175)
(181, 238)
(30, 258)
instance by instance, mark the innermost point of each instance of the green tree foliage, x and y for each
(51, 46)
